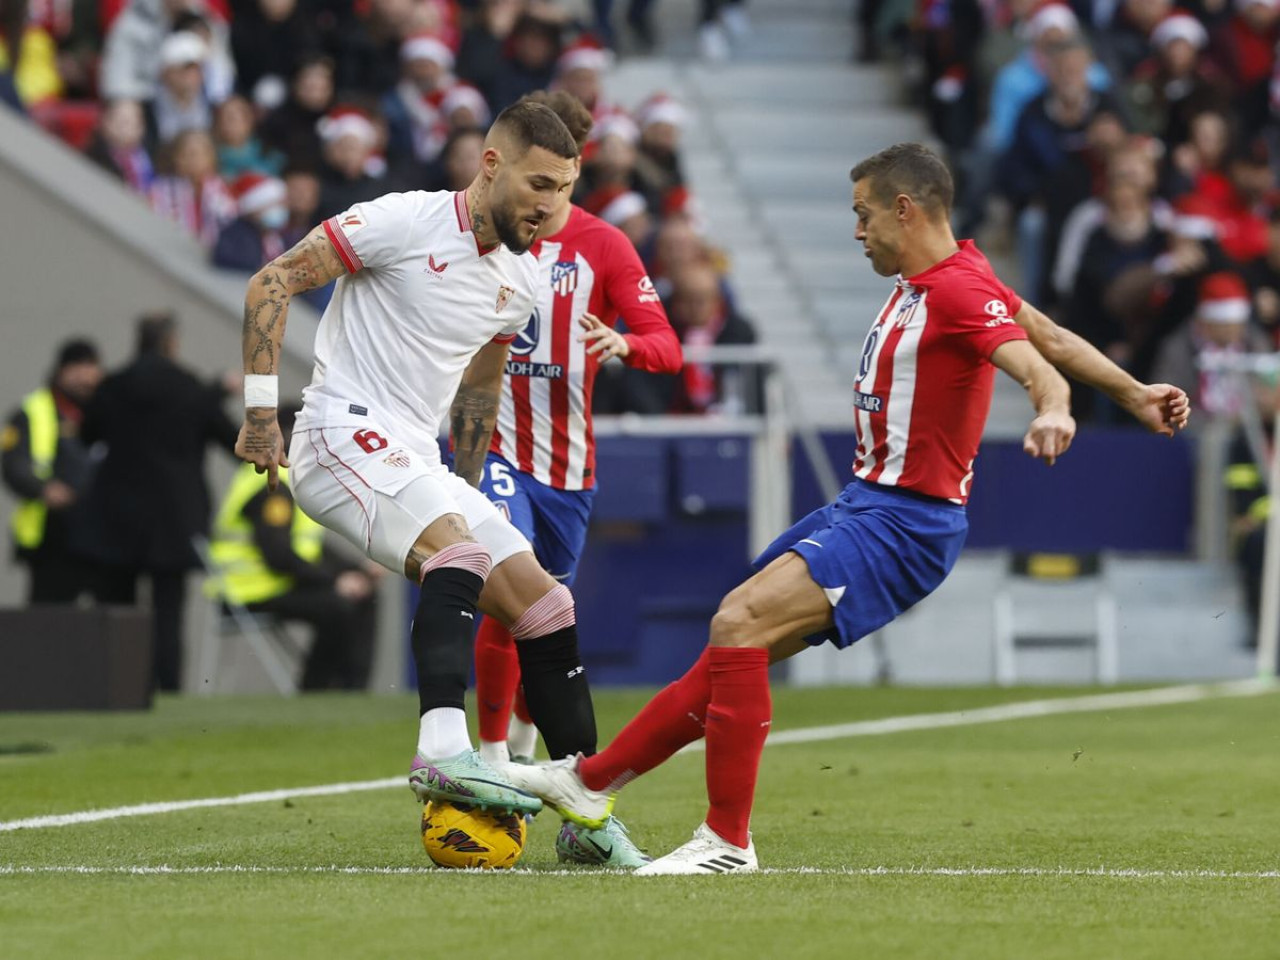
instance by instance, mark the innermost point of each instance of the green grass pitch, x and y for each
(1185, 797)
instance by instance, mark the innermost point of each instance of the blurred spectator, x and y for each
(349, 140)
(29, 56)
(483, 42)
(261, 232)
(270, 39)
(1126, 40)
(118, 146)
(302, 197)
(240, 150)
(609, 159)
(193, 196)
(416, 127)
(1237, 199)
(1053, 131)
(580, 71)
(149, 497)
(1263, 275)
(47, 467)
(131, 54)
(272, 559)
(367, 51)
(293, 128)
(702, 317)
(1219, 327)
(1244, 48)
(180, 101)
(946, 39)
(219, 70)
(661, 120)
(626, 210)
(1251, 505)
(529, 63)
(1176, 82)
(459, 161)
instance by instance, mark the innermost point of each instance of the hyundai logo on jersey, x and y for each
(564, 277)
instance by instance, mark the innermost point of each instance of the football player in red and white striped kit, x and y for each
(922, 393)
(541, 464)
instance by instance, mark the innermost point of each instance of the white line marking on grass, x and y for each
(1022, 710)
(1110, 873)
(1161, 696)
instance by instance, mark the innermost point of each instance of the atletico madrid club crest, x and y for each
(504, 297)
(564, 277)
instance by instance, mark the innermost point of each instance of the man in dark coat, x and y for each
(149, 497)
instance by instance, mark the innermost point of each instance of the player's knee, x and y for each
(735, 623)
(553, 611)
(465, 555)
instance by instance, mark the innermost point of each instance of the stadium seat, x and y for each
(71, 121)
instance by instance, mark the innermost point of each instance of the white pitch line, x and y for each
(1161, 696)
(1108, 873)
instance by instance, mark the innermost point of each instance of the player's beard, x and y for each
(507, 225)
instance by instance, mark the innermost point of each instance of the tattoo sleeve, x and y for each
(310, 264)
(471, 421)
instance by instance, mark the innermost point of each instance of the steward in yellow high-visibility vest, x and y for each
(269, 556)
(47, 468)
(1250, 507)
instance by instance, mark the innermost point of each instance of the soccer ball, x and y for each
(468, 838)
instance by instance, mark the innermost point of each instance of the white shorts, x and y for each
(380, 495)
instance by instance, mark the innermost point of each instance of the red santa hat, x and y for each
(463, 96)
(255, 192)
(1051, 16)
(616, 205)
(1179, 25)
(347, 122)
(1224, 298)
(661, 108)
(585, 53)
(427, 46)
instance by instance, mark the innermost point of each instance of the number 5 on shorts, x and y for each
(504, 485)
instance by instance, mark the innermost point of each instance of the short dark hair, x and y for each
(531, 124)
(154, 332)
(571, 111)
(910, 168)
(76, 350)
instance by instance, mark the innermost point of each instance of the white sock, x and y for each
(442, 733)
(522, 738)
(494, 752)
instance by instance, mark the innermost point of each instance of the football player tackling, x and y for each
(922, 394)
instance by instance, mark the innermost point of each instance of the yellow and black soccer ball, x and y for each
(468, 838)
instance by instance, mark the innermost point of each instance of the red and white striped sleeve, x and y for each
(372, 234)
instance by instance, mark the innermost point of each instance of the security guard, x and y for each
(47, 467)
(272, 560)
(1250, 506)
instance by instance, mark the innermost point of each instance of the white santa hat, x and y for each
(426, 46)
(255, 192)
(662, 109)
(1224, 298)
(586, 54)
(618, 125)
(1243, 5)
(1179, 26)
(1051, 16)
(622, 208)
(181, 48)
(347, 123)
(463, 96)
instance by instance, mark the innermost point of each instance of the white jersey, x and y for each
(420, 299)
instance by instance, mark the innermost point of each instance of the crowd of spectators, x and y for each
(247, 122)
(1129, 149)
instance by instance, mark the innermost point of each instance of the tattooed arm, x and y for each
(475, 410)
(310, 264)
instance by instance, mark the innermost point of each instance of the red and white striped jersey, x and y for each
(924, 383)
(544, 420)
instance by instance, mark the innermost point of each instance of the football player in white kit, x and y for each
(432, 287)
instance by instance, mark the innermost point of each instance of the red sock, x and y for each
(738, 720)
(497, 676)
(520, 707)
(670, 720)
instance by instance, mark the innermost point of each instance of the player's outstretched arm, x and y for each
(475, 410)
(312, 263)
(1160, 407)
(1053, 429)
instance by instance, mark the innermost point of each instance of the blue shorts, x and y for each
(555, 521)
(876, 551)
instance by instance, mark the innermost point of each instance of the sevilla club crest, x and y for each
(504, 297)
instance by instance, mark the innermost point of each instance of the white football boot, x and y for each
(560, 786)
(706, 853)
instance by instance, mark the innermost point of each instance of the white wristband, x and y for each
(261, 390)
